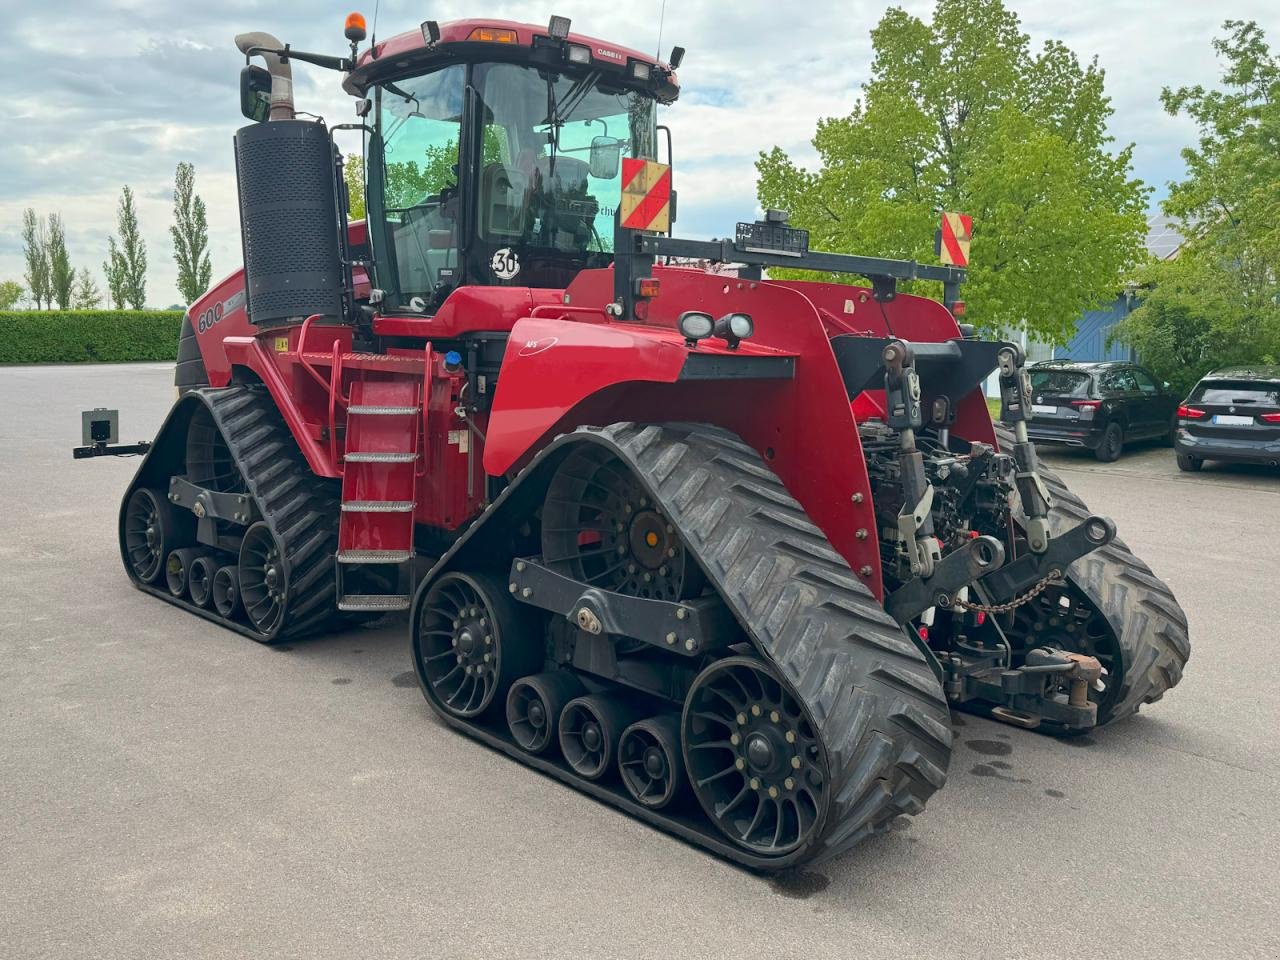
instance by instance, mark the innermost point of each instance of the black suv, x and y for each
(1231, 415)
(1099, 406)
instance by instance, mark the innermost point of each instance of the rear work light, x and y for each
(577, 53)
(493, 35)
(1189, 413)
(1270, 418)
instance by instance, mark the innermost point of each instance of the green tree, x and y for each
(86, 295)
(35, 246)
(962, 115)
(353, 174)
(10, 294)
(61, 276)
(1218, 302)
(190, 232)
(128, 258)
(114, 269)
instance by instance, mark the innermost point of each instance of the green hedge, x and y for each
(88, 336)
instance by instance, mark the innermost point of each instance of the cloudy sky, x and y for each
(97, 94)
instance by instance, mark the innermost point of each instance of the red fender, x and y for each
(558, 374)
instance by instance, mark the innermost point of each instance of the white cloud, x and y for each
(98, 94)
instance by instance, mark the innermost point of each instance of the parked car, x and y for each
(1099, 406)
(1231, 415)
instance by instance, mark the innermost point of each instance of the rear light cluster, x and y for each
(1189, 413)
(1086, 404)
(1270, 418)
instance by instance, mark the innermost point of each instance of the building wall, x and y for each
(1090, 341)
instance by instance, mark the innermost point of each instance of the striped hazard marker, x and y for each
(646, 195)
(957, 229)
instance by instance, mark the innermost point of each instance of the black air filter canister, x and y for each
(289, 222)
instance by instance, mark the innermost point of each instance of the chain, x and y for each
(1051, 580)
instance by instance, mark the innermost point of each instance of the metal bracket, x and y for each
(232, 507)
(689, 628)
(959, 568)
(1060, 552)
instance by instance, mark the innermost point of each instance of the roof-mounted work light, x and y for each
(677, 58)
(558, 27)
(430, 32)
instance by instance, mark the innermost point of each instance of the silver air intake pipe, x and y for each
(264, 45)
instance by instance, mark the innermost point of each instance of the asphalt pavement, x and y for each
(170, 789)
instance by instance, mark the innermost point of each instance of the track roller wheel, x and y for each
(264, 587)
(589, 730)
(153, 528)
(200, 579)
(226, 591)
(473, 642)
(755, 762)
(534, 705)
(650, 762)
(177, 569)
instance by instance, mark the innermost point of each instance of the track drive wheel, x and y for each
(153, 528)
(756, 764)
(473, 642)
(264, 581)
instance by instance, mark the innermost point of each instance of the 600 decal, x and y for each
(208, 318)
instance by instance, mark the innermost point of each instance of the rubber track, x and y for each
(1142, 610)
(300, 508)
(873, 699)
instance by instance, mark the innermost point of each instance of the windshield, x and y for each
(1060, 383)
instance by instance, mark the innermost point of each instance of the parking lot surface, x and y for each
(170, 789)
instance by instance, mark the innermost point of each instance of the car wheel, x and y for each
(1189, 464)
(1112, 443)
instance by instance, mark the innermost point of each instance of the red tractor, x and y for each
(719, 550)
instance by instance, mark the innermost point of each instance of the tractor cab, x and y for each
(495, 154)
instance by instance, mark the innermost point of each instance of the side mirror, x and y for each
(606, 157)
(255, 93)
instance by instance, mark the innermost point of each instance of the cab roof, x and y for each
(410, 52)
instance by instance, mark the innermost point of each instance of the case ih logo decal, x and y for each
(957, 228)
(537, 346)
(215, 313)
(646, 195)
(610, 54)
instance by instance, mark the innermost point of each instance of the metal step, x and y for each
(373, 556)
(357, 602)
(373, 410)
(378, 506)
(358, 457)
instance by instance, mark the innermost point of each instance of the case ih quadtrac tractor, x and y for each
(719, 550)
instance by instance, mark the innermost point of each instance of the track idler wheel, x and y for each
(226, 591)
(473, 642)
(153, 528)
(200, 579)
(534, 705)
(177, 569)
(650, 762)
(590, 727)
(264, 587)
(753, 757)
